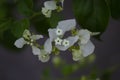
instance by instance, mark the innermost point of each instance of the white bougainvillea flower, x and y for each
(28, 39)
(48, 7)
(43, 56)
(86, 46)
(63, 26)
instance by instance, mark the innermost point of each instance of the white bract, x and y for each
(61, 44)
(28, 39)
(44, 56)
(86, 46)
(48, 7)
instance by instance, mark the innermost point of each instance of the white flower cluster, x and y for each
(49, 6)
(58, 42)
(30, 39)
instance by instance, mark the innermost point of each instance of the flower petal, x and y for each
(36, 37)
(44, 57)
(26, 33)
(67, 25)
(51, 5)
(46, 12)
(19, 43)
(52, 34)
(84, 36)
(48, 46)
(72, 41)
(35, 50)
(87, 48)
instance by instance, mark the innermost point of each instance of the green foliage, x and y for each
(6, 37)
(19, 26)
(42, 24)
(91, 14)
(4, 25)
(25, 7)
(115, 8)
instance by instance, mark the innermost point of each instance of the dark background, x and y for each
(25, 66)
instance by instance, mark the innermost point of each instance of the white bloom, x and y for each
(84, 51)
(58, 41)
(86, 46)
(43, 56)
(65, 25)
(28, 39)
(48, 7)
(46, 12)
(71, 40)
(66, 42)
(59, 32)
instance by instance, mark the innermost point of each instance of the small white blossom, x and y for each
(66, 42)
(28, 39)
(65, 25)
(86, 46)
(59, 32)
(71, 41)
(48, 7)
(58, 41)
(46, 12)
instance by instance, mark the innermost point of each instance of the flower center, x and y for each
(66, 42)
(59, 32)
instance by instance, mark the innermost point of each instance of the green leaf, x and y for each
(19, 26)
(25, 7)
(115, 8)
(4, 25)
(3, 11)
(42, 24)
(91, 14)
(54, 19)
(66, 69)
(7, 39)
